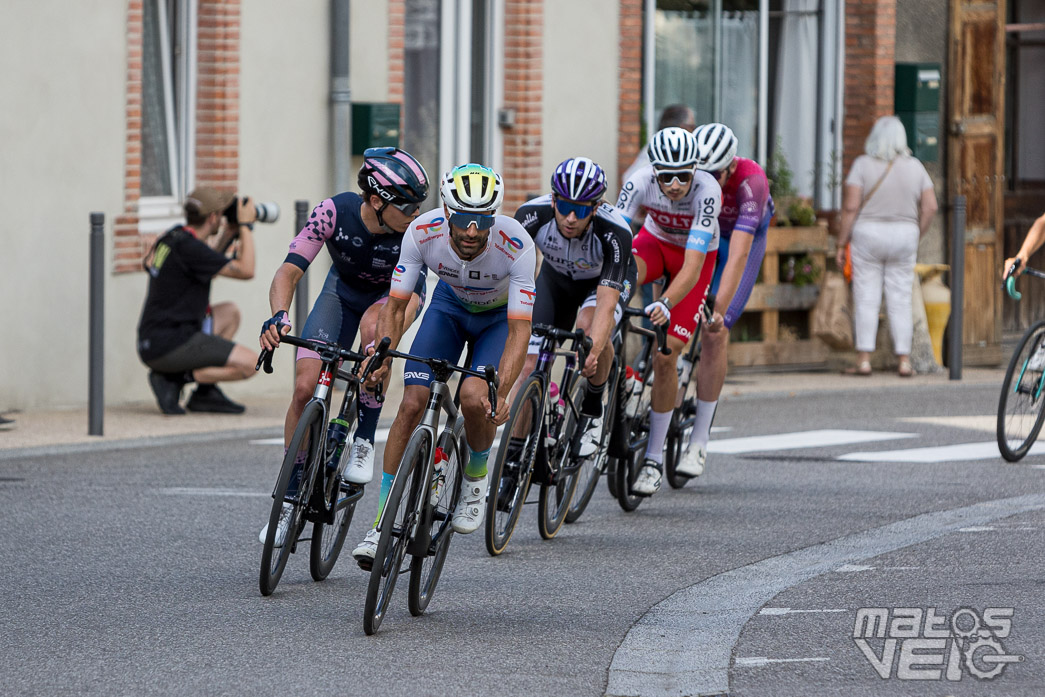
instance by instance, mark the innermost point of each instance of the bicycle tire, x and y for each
(589, 472)
(398, 522)
(627, 468)
(682, 419)
(274, 559)
(328, 540)
(554, 501)
(504, 507)
(425, 570)
(1021, 404)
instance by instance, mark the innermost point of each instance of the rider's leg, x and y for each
(663, 396)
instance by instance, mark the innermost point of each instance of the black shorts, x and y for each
(200, 351)
(560, 298)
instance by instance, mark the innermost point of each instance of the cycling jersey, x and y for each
(691, 222)
(502, 274)
(364, 261)
(602, 251)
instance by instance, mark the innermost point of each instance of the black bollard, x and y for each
(96, 328)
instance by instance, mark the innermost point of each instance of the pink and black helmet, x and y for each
(579, 179)
(394, 175)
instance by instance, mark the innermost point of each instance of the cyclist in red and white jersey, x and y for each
(680, 239)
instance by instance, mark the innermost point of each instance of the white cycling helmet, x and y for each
(472, 188)
(716, 147)
(672, 148)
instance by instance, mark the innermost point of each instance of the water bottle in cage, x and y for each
(337, 436)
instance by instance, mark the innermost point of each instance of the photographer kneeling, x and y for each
(172, 340)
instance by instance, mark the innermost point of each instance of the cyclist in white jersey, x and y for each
(679, 238)
(486, 265)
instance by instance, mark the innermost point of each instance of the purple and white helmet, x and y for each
(393, 175)
(579, 179)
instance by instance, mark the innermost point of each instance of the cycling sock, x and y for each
(369, 414)
(386, 486)
(658, 430)
(592, 403)
(476, 467)
(702, 423)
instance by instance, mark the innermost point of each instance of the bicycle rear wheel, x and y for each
(398, 524)
(554, 501)
(443, 492)
(1021, 405)
(681, 427)
(307, 438)
(591, 468)
(512, 468)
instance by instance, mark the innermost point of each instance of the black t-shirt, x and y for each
(180, 272)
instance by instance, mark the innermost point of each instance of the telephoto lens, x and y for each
(267, 212)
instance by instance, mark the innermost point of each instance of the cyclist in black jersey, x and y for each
(588, 273)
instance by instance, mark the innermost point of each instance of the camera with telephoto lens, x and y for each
(267, 212)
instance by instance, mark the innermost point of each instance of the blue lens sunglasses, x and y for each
(481, 222)
(581, 210)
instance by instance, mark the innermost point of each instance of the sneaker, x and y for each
(208, 398)
(365, 552)
(281, 527)
(648, 480)
(591, 439)
(360, 468)
(693, 459)
(167, 391)
(470, 509)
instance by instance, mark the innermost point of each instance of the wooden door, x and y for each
(975, 162)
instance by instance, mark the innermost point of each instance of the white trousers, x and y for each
(883, 255)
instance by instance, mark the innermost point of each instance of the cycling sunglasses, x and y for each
(481, 222)
(406, 208)
(683, 177)
(581, 210)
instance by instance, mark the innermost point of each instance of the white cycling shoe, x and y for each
(281, 527)
(648, 481)
(471, 508)
(692, 462)
(591, 439)
(360, 469)
(366, 550)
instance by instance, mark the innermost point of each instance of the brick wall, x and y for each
(870, 58)
(396, 26)
(523, 78)
(629, 96)
(217, 117)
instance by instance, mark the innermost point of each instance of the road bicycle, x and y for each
(419, 510)
(629, 432)
(540, 440)
(314, 490)
(685, 413)
(1021, 405)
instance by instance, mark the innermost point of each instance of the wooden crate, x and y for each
(771, 297)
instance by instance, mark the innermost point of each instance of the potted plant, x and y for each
(791, 209)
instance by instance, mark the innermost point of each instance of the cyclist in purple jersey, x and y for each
(746, 211)
(363, 235)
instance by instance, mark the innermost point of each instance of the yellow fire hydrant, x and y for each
(937, 299)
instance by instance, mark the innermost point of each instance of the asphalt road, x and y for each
(135, 571)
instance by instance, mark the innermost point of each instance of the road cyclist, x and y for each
(363, 235)
(679, 238)
(485, 263)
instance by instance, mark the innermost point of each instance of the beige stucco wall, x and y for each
(580, 85)
(63, 157)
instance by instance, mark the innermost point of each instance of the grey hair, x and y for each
(887, 140)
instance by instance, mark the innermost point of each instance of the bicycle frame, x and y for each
(543, 372)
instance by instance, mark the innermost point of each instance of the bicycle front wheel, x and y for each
(512, 467)
(328, 539)
(1021, 405)
(307, 438)
(554, 502)
(443, 491)
(591, 467)
(398, 524)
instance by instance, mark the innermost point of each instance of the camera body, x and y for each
(266, 211)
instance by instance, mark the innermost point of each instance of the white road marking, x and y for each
(801, 439)
(778, 611)
(939, 453)
(852, 568)
(195, 491)
(760, 661)
(977, 528)
(988, 423)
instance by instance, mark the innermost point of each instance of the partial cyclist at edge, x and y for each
(743, 223)
(363, 235)
(486, 265)
(587, 275)
(679, 238)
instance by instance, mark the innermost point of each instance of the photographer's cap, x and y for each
(204, 200)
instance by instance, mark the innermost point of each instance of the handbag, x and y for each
(847, 268)
(832, 318)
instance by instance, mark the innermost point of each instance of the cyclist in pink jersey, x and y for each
(746, 211)
(679, 238)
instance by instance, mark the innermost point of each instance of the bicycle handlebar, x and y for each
(320, 347)
(660, 330)
(1009, 284)
(581, 341)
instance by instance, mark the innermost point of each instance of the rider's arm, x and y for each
(404, 284)
(514, 355)
(1035, 238)
(752, 206)
(631, 200)
(615, 237)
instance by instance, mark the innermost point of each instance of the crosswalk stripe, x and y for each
(801, 439)
(938, 453)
